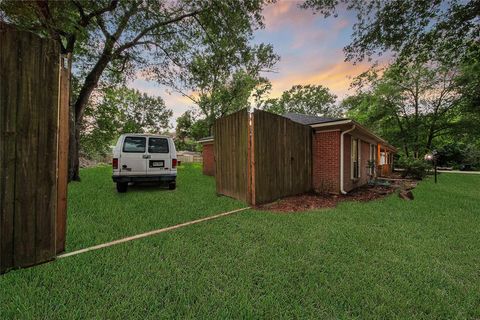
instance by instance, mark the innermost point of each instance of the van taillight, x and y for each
(115, 163)
(174, 163)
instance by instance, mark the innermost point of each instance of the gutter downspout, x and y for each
(341, 158)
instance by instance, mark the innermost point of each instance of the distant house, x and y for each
(345, 154)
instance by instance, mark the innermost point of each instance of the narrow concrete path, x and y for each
(458, 171)
(148, 234)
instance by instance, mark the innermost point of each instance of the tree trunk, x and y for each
(73, 157)
(76, 115)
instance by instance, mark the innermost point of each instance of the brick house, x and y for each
(345, 154)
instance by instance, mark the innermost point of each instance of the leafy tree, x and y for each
(191, 128)
(184, 125)
(224, 78)
(111, 39)
(117, 111)
(309, 99)
(429, 96)
(409, 29)
(200, 129)
(412, 104)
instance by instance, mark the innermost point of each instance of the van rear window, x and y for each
(134, 144)
(157, 145)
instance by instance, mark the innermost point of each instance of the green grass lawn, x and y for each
(98, 214)
(383, 259)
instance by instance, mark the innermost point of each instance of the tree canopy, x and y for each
(110, 40)
(120, 110)
(408, 29)
(306, 99)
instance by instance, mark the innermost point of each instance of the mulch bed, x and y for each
(311, 201)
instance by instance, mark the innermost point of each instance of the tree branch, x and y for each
(145, 31)
(86, 18)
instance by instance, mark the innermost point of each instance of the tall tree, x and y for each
(120, 110)
(113, 38)
(306, 99)
(225, 77)
(421, 101)
(184, 125)
(429, 93)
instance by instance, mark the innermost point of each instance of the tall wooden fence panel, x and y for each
(29, 101)
(231, 155)
(63, 142)
(282, 157)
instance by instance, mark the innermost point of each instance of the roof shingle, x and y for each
(307, 119)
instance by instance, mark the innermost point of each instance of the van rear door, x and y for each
(133, 160)
(159, 160)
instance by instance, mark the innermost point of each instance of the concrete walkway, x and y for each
(458, 171)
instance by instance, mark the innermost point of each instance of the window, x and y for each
(383, 159)
(373, 158)
(134, 144)
(157, 145)
(355, 169)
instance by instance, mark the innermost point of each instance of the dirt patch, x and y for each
(312, 201)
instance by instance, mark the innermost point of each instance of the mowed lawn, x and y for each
(383, 259)
(98, 214)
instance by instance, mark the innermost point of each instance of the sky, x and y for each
(310, 49)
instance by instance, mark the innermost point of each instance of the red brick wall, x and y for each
(208, 160)
(326, 161)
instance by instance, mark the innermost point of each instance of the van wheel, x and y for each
(122, 187)
(172, 185)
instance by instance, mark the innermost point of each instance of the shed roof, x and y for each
(206, 139)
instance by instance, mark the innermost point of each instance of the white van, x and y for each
(140, 157)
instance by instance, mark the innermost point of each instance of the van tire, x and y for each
(122, 187)
(172, 185)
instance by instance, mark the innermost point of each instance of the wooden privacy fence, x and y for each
(282, 157)
(262, 157)
(231, 144)
(33, 149)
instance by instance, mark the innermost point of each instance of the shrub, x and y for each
(414, 168)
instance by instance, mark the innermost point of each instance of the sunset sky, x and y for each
(310, 48)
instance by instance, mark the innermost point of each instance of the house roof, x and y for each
(307, 119)
(357, 126)
(322, 122)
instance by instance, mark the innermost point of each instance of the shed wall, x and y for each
(208, 159)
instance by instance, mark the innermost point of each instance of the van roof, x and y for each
(146, 135)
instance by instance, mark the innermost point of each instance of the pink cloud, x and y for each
(336, 76)
(284, 13)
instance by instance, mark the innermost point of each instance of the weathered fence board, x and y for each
(282, 157)
(29, 102)
(231, 155)
(63, 140)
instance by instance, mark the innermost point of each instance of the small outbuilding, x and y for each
(208, 156)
